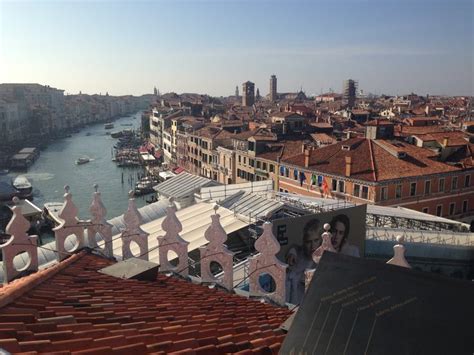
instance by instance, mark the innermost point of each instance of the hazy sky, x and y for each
(399, 46)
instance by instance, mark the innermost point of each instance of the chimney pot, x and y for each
(348, 166)
(306, 158)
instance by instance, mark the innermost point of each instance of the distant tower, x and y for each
(155, 91)
(273, 88)
(349, 92)
(237, 91)
(257, 96)
(248, 93)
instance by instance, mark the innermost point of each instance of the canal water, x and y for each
(56, 168)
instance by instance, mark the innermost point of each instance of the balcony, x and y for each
(262, 173)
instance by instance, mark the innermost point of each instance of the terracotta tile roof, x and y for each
(455, 138)
(373, 160)
(405, 131)
(286, 114)
(323, 138)
(282, 150)
(72, 308)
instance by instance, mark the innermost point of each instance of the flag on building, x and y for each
(325, 187)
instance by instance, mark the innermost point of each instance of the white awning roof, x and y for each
(195, 220)
(166, 174)
(182, 185)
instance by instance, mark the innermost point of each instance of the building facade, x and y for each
(248, 93)
(273, 88)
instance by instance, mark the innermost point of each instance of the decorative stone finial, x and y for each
(70, 225)
(173, 241)
(216, 251)
(399, 254)
(99, 225)
(131, 194)
(18, 243)
(326, 244)
(133, 232)
(266, 262)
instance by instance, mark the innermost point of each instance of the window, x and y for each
(454, 183)
(427, 187)
(425, 210)
(287, 172)
(264, 166)
(398, 191)
(356, 191)
(258, 164)
(340, 186)
(252, 163)
(464, 206)
(452, 208)
(240, 160)
(439, 210)
(441, 185)
(384, 194)
(413, 189)
(467, 181)
(334, 185)
(272, 168)
(365, 192)
(245, 160)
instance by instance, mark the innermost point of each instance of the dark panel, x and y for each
(358, 306)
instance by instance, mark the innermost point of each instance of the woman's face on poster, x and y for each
(311, 242)
(338, 234)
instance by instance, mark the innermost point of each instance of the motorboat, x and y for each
(108, 125)
(4, 171)
(145, 186)
(116, 134)
(81, 161)
(23, 186)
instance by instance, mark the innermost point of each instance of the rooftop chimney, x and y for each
(445, 141)
(348, 166)
(306, 158)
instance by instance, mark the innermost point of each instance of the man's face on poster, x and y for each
(338, 234)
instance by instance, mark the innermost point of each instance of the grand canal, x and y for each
(56, 168)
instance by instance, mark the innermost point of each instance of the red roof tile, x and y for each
(90, 312)
(373, 160)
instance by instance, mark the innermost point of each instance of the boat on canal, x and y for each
(108, 125)
(83, 160)
(145, 186)
(23, 186)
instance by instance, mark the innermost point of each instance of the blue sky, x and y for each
(395, 47)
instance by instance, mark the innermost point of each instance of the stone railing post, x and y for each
(70, 225)
(133, 232)
(399, 254)
(99, 225)
(266, 262)
(216, 251)
(318, 253)
(172, 241)
(19, 243)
